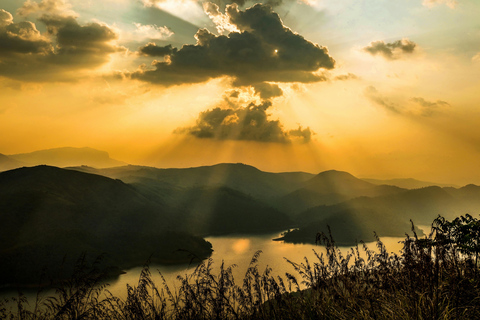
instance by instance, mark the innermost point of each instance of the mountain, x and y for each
(63, 157)
(221, 210)
(236, 176)
(205, 210)
(388, 215)
(47, 213)
(328, 188)
(349, 226)
(407, 183)
(7, 163)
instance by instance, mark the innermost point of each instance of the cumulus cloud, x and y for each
(152, 31)
(21, 38)
(52, 7)
(304, 134)
(264, 50)
(391, 51)
(241, 3)
(221, 20)
(267, 90)
(243, 123)
(67, 46)
(151, 49)
(432, 3)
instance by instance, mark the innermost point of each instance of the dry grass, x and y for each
(435, 277)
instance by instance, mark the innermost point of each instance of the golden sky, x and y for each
(382, 89)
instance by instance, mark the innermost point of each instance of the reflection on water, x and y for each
(239, 246)
(238, 250)
(232, 250)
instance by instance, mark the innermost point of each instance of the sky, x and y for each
(378, 88)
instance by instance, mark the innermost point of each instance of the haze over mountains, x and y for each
(60, 157)
(131, 212)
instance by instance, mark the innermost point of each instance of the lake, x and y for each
(239, 250)
(231, 249)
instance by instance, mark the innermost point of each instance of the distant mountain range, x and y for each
(328, 188)
(8, 163)
(59, 157)
(408, 183)
(131, 212)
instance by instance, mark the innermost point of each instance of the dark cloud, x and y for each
(263, 50)
(428, 108)
(21, 38)
(304, 134)
(392, 50)
(234, 94)
(151, 49)
(375, 96)
(241, 3)
(267, 90)
(29, 55)
(80, 46)
(243, 123)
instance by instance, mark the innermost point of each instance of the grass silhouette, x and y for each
(434, 277)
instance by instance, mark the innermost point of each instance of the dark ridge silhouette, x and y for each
(408, 183)
(331, 187)
(244, 178)
(387, 215)
(47, 213)
(68, 156)
(221, 210)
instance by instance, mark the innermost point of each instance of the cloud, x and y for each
(428, 108)
(243, 123)
(267, 90)
(349, 76)
(263, 51)
(431, 3)
(21, 38)
(304, 134)
(241, 3)
(418, 106)
(151, 49)
(6, 18)
(393, 50)
(52, 7)
(152, 31)
(68, 46)
(372, 93)
(222, 21)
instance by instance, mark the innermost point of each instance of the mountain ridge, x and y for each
(67, 156)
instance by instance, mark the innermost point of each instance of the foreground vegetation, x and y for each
(435, 277)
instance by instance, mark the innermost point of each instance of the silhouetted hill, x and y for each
(350, 225)
(387, 215)
(63, 157)
(407, 183)
(331, 187)
(47, 213)
(7, 163)
(217, 211)
(246, 179)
